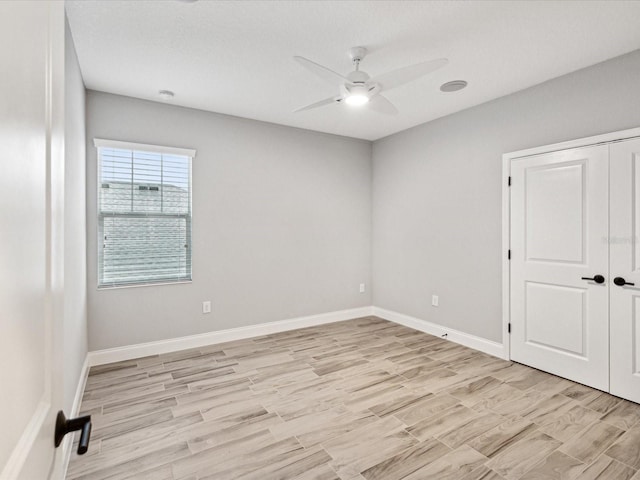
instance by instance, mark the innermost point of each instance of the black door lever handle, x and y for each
(595, 278)
(621, 282)
(65, 425)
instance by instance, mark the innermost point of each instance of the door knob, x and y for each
(596, 278)
(65, 425)
(621, 282)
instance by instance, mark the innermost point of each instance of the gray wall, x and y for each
(437, 191)
(75, 235)
(282, 217)
(281, 223)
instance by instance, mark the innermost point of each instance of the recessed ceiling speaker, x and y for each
(453, 86)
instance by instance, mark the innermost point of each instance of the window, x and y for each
(144, 214)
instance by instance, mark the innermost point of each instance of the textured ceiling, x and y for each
(235, 57)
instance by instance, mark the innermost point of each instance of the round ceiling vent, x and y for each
(166, 94)
(453, 86)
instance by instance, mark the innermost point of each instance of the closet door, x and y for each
(559, 226)
(624, 287)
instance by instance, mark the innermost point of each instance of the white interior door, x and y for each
(559, 226)
(31, 234)
(625, 265)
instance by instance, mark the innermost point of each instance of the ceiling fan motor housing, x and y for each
(356, 54)
(358, 76)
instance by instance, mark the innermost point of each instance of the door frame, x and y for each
(507, 158)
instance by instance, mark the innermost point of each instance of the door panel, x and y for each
(555, 212)
(556, 318)
(559, 223)
(31, 234)
(625, 262)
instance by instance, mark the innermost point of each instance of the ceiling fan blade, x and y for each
(382, 105)
(321, 103)
(322, 72)
(403, 75)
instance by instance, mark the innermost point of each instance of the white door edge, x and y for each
(22, 449)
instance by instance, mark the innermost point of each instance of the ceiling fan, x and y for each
(357, 88)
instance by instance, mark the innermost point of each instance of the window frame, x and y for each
(100, 216)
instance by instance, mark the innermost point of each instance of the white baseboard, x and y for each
(67, 443)
(100, 357)
(487, 346)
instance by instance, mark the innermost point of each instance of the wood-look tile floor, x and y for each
(361, 399)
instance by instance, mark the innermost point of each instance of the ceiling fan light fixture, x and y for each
(357, 96)
(356, 99)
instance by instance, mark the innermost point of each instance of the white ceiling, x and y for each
(235, 57)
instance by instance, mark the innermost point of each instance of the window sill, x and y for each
(139, 285)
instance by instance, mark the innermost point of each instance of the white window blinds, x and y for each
(144, 214)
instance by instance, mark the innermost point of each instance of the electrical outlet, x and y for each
(362, 288)
(434, 300)
(206, 307)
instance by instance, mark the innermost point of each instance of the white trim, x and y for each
(19, 455)
(507, 158)
(477, 343)
(129, 352)
(506, 264)
(102, 143)
(576, 143)
(67, 443)
(101, 357)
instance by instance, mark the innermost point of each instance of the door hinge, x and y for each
(509, 182)
(509, 328)
(509, 254)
